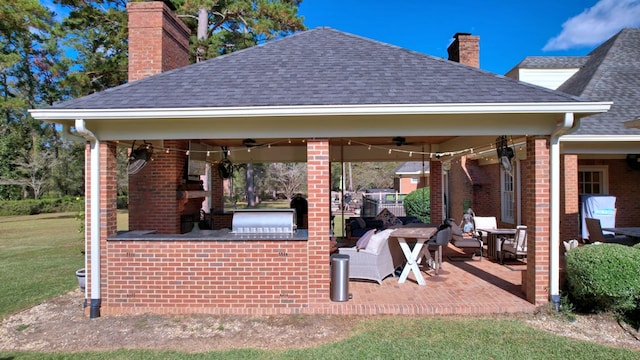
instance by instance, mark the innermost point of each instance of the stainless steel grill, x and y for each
(263, 221)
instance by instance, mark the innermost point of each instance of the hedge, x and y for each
(604, 277)
(418, 203)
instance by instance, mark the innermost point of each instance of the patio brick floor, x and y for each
(462, 287)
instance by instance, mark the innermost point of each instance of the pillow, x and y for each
(456, 231)
(364, 239)
(388, 219)
(377, 241)
(361, 222)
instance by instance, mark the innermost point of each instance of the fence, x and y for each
(373, 203)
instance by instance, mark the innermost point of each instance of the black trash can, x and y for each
(339, 277)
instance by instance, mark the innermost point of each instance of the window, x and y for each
(593, 180)
(507, 196)
(414, 180)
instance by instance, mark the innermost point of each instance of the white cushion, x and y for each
(377, 241)
(364, 239)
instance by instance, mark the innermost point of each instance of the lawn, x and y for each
(39, 255)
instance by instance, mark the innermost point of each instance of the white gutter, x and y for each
(95, 217)
(568, 124)
(317, 110)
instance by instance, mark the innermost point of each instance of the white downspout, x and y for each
(95, 216)
(568, 124)
(68, 135)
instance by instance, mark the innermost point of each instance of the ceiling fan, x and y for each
(250, 143)
(139, 157)
(505, 153)
(400, 140)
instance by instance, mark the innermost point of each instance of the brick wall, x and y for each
(153, 192)
(207, 276)
(623, 184)
(158, 40)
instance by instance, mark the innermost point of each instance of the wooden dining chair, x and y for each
(595, 234)
(516, 246)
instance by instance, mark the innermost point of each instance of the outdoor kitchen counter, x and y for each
(207, 235)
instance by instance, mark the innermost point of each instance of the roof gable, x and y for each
(612, 73)
(317, 67)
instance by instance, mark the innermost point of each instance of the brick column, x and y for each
(536, 214)
(108, 208)
(435, 189)
(319, 189)
(569, 199)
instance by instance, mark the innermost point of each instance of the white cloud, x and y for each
(596, 24)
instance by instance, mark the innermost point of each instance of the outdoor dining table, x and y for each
(492, 240)
(420, 235)
(633, 232)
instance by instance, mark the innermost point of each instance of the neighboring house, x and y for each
(600, 155)
(320, 96)
(411, 175)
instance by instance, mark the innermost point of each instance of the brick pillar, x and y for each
(319, 218)
(536, 214)
(569, 199)
(158, 40)
(435, 189)
(465, 49)
(108, 208)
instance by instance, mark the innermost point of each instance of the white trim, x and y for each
(313, 110)
(599, 138)
(604, 182)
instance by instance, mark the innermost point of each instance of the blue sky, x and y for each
(509, 30)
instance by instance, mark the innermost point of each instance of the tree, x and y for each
(33, 170)
(31, 69)
(223, 26)
(287, 178)
(96, 32)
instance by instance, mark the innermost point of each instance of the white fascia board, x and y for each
(265, 111)
(600, 138)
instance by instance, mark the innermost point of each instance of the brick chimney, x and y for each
(158, 40)
(465, 49)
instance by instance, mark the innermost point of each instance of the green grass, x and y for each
(39, 255)
(401, 338)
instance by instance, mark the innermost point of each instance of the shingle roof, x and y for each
(318, 67)
(412, 167)
(552, 62)
(612, 73)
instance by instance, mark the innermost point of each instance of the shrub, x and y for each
(39, 206)
(418, 203)
(604, 277)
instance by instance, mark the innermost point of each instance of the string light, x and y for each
(449, 155)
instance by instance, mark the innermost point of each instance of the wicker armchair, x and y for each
(375, 263)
